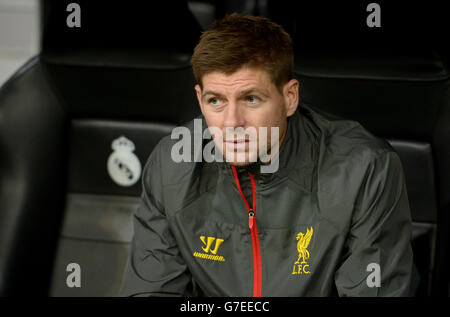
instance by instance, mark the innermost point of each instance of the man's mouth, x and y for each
(236, 144)
(236, 141)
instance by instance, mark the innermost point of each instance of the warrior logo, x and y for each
(207, 249)
(303, 253)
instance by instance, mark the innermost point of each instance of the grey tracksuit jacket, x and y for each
(333, 220)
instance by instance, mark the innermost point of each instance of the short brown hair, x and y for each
(241, 40)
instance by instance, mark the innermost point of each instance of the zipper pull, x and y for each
(251, 218)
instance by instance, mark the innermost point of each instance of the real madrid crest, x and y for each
(123, 165)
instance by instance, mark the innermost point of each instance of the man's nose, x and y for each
(234, 116)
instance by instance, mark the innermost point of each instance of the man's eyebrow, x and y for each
(251, 90)
(210, 92)
(245, 92)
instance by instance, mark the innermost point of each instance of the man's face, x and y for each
(245, 99)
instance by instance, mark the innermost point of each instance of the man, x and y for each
(330, 218)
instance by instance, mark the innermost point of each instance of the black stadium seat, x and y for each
(126, 81)
(78, 121)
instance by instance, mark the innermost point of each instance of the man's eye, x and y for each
(214, 101)
(252, 99)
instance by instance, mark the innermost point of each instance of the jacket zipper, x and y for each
(257, 267)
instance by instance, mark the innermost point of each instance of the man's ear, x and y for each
(198, 92)
(291, 96)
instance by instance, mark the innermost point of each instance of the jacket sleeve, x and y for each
(380, 235)
(155, 266)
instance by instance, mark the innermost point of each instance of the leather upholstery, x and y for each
(59, 114)
(417, 160)
(33, 160)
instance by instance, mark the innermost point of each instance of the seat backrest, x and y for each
(77, 124)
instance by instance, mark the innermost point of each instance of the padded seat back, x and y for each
(77, 124)
(132, 88)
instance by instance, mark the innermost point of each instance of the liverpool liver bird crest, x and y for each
(302, 244)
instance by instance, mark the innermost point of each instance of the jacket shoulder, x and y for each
(346, 137)
(167, 161)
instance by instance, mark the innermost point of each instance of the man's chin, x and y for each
(240, 160)
(240, 164)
